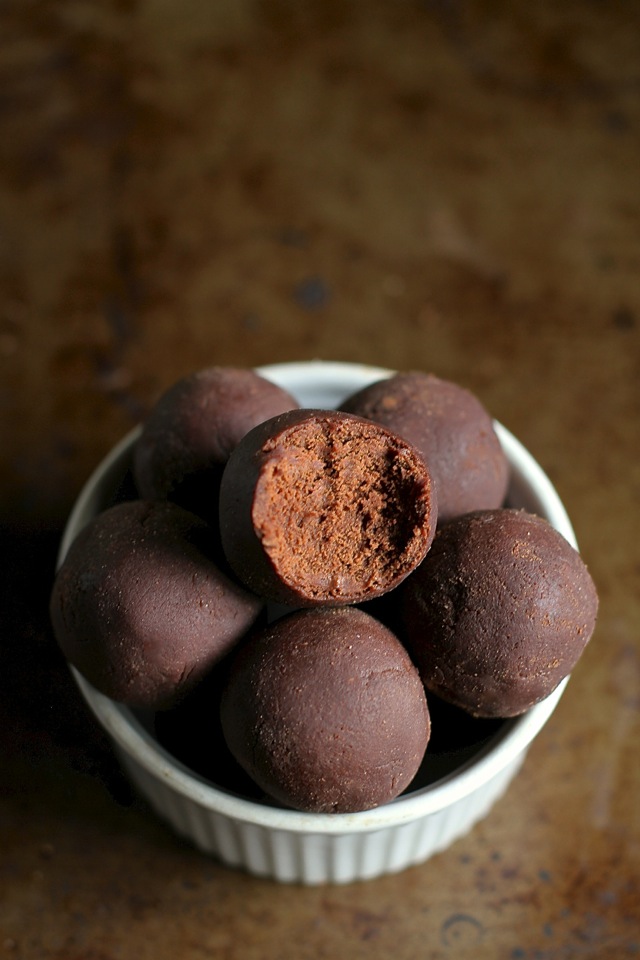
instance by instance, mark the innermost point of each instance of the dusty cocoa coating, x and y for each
(450, 428)
(499, 612)
(322, 508)
(326, 712)
(189, 434)
(139, 607)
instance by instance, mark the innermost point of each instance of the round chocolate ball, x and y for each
(190, 432)
(450, 428)
(326, 712)
(322, 508)
(140, 608)
(499, 612)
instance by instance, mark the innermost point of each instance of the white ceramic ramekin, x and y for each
(291, 846)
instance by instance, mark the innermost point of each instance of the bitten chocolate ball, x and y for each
(139, 607)
(450, 428)
(188, 436)
(323, 508)
(499, 612)
(326, 712)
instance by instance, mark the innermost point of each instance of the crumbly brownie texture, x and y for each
(139, 607)
(323, 508)
(450, 428)
(188, 436)
(326, 712)
(499, 612)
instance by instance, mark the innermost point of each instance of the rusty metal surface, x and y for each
(439, 185)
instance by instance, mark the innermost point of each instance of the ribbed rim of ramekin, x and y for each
(512, 739)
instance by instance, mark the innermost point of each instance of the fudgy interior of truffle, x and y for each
(340, 508)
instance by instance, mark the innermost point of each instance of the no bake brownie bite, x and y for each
(141, 607)
(499, 612)
(189, 434)
(394, 503)
(320, 507)
(325, 710)
(450, 429)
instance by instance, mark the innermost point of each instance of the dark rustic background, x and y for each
(435, 184)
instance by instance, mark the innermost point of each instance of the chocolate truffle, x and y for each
(189, 434)
(326, 712)
(450, 428)
(322, 508)
(499, 612)
(139, 607)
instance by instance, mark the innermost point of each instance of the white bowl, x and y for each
(292, 846)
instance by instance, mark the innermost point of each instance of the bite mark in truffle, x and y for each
(321, 507)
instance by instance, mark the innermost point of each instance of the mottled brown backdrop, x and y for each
(435, 184)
